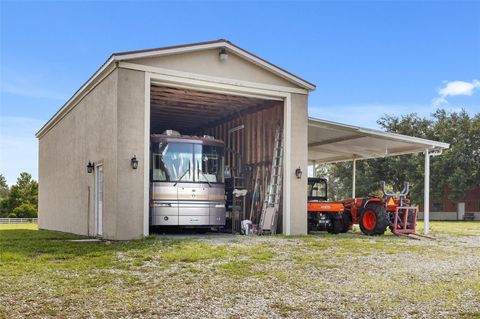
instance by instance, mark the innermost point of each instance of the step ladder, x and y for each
(271, 204)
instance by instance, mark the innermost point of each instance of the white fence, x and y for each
(18, 220)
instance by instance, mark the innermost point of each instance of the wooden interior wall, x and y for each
(254, 143)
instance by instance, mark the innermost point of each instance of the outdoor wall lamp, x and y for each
(298, 173)
(90, 167)
(134, 162)
(223, 55)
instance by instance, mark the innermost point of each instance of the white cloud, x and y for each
(455, 88)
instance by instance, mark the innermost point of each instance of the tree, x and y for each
(457, 170)
(25, 191)
(3, 187)
(4, 190)
(459, 167)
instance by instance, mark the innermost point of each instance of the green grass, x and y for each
(45, 274)
(18, 226)
(460, 228)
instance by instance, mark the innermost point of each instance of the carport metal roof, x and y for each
(330, 142)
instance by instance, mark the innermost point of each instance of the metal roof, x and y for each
(330, 142)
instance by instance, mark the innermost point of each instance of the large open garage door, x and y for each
(330, 142)
(245, 124)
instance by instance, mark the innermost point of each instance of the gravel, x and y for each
(304, 277)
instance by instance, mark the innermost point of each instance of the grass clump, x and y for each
(193, 251)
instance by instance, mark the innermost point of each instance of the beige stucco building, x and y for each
(110, 118)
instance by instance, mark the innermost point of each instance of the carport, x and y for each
(331, 142)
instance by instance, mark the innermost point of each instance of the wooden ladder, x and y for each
(271, 204)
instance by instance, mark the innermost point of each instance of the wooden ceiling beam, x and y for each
(195, 103)
(207, 98)
(184, 92)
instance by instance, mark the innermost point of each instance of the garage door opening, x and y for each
(203, 146)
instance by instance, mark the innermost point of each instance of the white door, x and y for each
(461, 211)
(99, 200)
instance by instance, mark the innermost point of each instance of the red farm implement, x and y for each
(374, 214)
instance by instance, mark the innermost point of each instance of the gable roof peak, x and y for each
(220, 43)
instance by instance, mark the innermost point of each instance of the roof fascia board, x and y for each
(406, 138)
(240, 52)
(339, 159)
(270, 67)
(168, 51)
(107, 68)
(220, 80)
(375, 133)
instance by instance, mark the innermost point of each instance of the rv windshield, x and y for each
(172, 161)
(187, 162)
(209, 163)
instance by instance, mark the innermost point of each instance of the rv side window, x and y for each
(158, 173)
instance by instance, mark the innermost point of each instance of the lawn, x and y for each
(44, 274)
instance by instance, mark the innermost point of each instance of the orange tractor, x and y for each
(322, 214)
(374, 215)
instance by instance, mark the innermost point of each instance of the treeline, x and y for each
(19, 200)
(456, 171)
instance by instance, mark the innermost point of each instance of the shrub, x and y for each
(25, 211)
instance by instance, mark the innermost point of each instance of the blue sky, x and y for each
(366, 58)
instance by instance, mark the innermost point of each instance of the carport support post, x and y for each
(354, 173)
(426, 195)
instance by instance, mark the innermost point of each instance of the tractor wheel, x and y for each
(373, 220)
(346, 221)
(336, 226)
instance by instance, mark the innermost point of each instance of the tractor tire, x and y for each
(346, 221)
(373, 220)
(336, 227)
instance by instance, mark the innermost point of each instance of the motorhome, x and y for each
(187, 186)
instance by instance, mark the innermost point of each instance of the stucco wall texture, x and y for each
(108, 127)
(297, 154)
